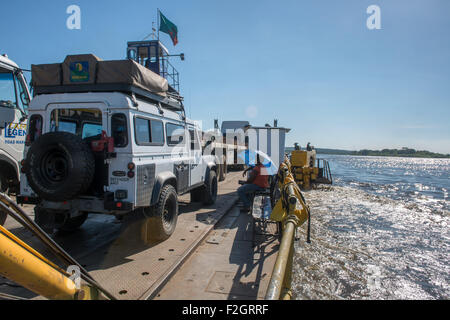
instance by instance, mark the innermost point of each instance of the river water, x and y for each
(380, 232)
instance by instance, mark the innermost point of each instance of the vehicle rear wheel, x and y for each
(210, 192)
(164, 215)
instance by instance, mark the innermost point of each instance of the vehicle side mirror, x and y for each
(24, 98)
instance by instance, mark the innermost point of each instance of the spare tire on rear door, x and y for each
(59, 166)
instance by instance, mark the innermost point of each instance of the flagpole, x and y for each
(158, 16)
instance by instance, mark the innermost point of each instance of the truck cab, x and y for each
(14, 102)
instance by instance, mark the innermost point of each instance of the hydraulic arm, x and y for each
(25, 266)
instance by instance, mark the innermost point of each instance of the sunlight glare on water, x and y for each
(380, 232)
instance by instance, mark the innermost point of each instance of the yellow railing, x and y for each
(292, 211)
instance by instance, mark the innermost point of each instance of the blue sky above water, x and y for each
(313, 65)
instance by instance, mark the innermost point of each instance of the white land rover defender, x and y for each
(110, 137)
(14, 101)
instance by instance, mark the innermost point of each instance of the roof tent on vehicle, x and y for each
(88, 73)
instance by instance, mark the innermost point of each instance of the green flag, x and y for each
(168, 27)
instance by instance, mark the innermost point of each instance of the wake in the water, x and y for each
(369, 246)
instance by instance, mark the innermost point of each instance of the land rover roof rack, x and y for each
(88, 73)
(170, 101)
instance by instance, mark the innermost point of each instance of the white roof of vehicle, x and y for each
(6, 63)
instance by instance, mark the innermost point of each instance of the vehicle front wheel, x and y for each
(210, 194)
(164, 215)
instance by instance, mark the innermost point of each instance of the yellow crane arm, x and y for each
(30, 271)
(22, 264)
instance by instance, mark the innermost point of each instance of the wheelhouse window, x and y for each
(119, 130)
(175, 134)
(149, 131)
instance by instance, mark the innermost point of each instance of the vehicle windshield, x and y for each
(7, 91)
(11, 84)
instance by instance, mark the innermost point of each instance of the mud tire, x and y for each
(210, 190)
(163, 215)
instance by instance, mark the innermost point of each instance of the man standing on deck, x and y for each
(257, 181)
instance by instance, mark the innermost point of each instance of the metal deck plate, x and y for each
(227, 269)
(127, 270)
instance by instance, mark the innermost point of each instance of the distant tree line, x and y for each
(404, 152)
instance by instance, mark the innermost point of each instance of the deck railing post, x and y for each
(294, 208)
(280, 282)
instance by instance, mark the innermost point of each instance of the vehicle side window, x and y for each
(149, 131)
(157, 131)
(23, 100)
(34, 129)
(119, 130)
(175, 134)
(142, 127)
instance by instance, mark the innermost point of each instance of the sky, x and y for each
(313, 65)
